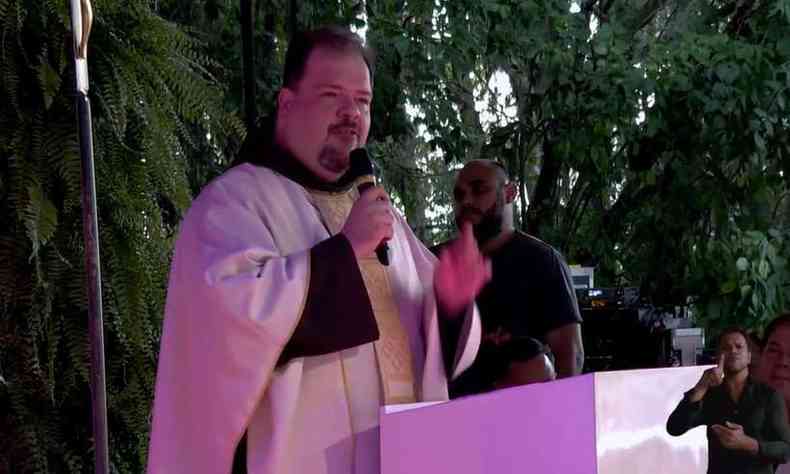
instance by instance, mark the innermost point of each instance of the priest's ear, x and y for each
(511, 191)
(285, 100)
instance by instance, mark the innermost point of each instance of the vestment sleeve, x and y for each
(337, 313)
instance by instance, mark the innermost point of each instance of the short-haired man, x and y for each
(524, 361)
(746, 420)
(530, 294)
(280, 321)
(774, 368)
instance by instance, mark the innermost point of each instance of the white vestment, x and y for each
(238, 285)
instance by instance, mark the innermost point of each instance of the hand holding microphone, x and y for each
(369, 225)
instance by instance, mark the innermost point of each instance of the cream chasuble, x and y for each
(239, 280)
(392, 348)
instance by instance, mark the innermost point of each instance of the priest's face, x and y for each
(327, 113)
(735, 350)
(775, 363)
(479, 199)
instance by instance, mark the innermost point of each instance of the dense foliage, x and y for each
(154, 102)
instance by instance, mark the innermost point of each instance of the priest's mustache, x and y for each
(343, 126)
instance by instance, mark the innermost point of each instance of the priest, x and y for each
(282, 326)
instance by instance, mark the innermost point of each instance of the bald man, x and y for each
(530, 294)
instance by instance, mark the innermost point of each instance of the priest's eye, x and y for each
(479, 191)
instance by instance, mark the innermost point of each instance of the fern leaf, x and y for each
(41, 218)
(49, 81)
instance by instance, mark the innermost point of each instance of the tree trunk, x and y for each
(542, 208)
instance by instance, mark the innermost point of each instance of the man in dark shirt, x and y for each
(746, 421)
(531, 292)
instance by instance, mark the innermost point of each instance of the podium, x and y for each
(601, 423)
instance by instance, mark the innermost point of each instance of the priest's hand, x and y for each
(369, 222)
(460, 274)
(731, 436)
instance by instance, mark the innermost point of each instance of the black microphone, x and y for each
(362, 171)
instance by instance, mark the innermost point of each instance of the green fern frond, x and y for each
(75, 330)
(155, 100)
(5, 5)
(8, 270)
(49, 81)
(40, 218)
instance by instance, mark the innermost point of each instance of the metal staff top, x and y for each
(81, 23)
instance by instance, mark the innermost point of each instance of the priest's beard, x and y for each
(333, 160)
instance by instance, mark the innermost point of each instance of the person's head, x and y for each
(323, 108)
(775, 364)
(481, 195)
(528, 363)
(734, 348)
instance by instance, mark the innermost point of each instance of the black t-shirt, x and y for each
(530, 294)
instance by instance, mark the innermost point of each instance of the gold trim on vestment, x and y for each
(392, 347)
(393, 353)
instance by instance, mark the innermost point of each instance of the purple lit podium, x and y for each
(602, 423)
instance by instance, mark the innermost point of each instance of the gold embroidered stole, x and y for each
(392, 348)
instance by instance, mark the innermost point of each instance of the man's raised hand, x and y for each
(461, 273)
(712, 377)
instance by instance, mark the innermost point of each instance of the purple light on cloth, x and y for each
(541, 428)
(603, 423)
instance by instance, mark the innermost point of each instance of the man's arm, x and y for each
(568, 349)
(687, 415)
(560, 312)
(690, 411)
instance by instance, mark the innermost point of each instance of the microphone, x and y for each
(362, 171)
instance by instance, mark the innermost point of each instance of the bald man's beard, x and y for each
(490, 224)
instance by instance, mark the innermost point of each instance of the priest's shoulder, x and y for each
(243, 183)
(239, 182)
